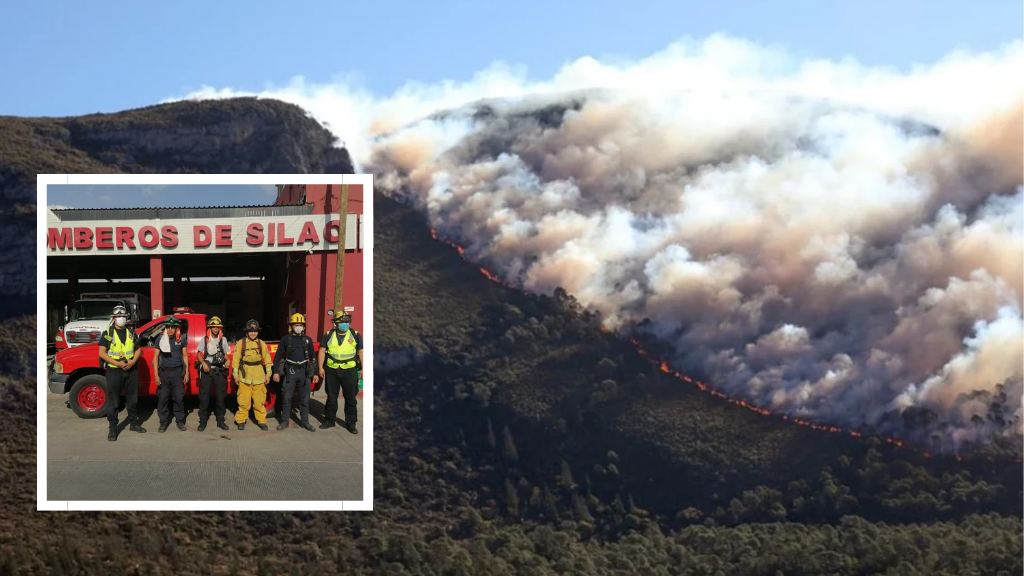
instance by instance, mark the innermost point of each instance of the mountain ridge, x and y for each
(180, 137)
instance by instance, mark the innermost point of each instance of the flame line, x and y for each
(703, 387)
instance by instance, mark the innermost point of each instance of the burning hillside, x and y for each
(810, 257)
(824, 240)
(664, 367)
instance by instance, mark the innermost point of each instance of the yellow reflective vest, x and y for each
(341, 355)
(118, 349)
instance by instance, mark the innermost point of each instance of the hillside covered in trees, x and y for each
(513, 436)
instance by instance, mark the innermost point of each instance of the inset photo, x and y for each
(208, 343)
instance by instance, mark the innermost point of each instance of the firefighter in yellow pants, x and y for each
(251, 367)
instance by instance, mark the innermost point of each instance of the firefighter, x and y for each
(117, 352)
(294, 364)
(343, 349)
(250, 367)
(212, 363)
(170, 364)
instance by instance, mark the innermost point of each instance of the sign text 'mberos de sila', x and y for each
(316, 232)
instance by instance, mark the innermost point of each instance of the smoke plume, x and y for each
(823, 239)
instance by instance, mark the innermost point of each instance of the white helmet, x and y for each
(120, 311)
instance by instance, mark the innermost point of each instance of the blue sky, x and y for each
(166, 196)
(70, 58)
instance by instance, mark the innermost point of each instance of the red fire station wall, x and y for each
(311, 280)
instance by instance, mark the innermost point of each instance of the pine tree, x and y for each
(509, 446)
(617, 506)
(511, 499)
(565, 479)
(580, 509)
(491, 442)
(550, 507)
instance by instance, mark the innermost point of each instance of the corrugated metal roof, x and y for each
(254, 211)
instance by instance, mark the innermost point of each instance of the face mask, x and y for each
(342, 326)
(298, 329)
(121, 322)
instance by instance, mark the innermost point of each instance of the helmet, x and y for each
(297, 319)
(346, 317)
(252, 325)
(119, 311)
(214, 321)
(173, 321)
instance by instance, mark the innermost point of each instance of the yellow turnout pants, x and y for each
(251, 396)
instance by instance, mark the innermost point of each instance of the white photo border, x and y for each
(366, 504)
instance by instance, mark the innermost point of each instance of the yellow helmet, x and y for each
(297, 319)
(214, 321)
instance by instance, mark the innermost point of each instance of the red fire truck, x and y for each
(77, 371)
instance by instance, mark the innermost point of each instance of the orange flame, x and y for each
(663, 365)
(492, 277)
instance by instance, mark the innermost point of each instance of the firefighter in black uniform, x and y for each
(170, 364)
(118, 355)
(293, 364)
(213, 373)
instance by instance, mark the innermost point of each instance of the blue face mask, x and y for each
(342, 326)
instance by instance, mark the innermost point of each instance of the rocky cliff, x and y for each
(241, 135)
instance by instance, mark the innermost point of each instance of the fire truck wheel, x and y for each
(89, 396)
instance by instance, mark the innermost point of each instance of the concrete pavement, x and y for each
(293, 464)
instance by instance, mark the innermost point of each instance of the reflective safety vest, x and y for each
(341, 355)
(119, 350)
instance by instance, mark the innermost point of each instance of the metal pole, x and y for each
(340, 271)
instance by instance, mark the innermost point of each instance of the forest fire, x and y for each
(665, 368)
(462, 252)
(492, 277)
(703, 387)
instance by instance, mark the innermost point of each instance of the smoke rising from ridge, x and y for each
(823, 239)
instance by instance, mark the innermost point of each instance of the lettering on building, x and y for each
(198, 236)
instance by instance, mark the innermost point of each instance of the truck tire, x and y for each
(88, 397)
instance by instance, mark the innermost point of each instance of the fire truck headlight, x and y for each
(60, 338)
(58, 368)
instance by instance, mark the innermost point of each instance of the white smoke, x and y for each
(796, 228)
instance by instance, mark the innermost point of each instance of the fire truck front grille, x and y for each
(83, 336)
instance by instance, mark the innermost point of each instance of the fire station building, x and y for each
(237, 262)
